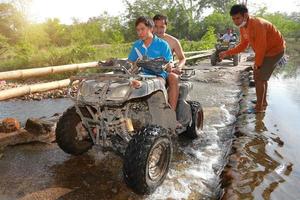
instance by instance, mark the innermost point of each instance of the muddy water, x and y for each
(22, 110)
(39, 171)
(264, 162)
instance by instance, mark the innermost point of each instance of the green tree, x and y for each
(222, 6)
(288, 25)
(11, 22)
(209, 39)
(219, 21)
(36, 35)
(58, 33)
(3, 44)
(184, 16)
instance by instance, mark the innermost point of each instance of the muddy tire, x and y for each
(194, 130)
(147, 159)
(236, 60)
(213, 59)
(67, 131)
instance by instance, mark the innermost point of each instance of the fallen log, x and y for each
(42, 87)
(22, 136)
(28, 89)
(43, 71)
(26, 73)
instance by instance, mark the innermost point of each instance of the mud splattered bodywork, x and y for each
(113, 115)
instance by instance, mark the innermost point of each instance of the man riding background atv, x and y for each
(227, 41)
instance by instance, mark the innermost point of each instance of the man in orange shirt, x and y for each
(267, 43)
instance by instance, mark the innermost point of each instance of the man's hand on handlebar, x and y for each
(169, 67)
(177, 71)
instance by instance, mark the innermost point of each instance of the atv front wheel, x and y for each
(71, 136)
(194, 130)
(213, 59)
(236, 60)
(147, 159)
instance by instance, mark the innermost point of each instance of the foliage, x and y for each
(219, 21)
(288, 25)
(3, 44)
(11, 22)
(36, 35)
(207, 41)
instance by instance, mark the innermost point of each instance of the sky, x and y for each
(65, 10)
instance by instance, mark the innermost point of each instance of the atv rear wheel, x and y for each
(213, 59)
(71, 136)
(147, 159)
(194, 130)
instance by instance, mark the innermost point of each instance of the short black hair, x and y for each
(161, 17)
(145, 20)
(238, 9)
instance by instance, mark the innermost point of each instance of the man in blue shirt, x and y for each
(153, 47)
(149, 45)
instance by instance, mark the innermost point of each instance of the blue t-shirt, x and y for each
(157, 49)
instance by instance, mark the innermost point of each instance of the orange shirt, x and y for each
(262, 36)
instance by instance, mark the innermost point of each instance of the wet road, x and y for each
(39, 171)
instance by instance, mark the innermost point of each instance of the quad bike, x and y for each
(136, 123)
(224, 46)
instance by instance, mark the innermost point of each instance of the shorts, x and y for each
(266, 69)
(162, 74)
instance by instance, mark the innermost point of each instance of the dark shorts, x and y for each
(162, 74)
(266, 69)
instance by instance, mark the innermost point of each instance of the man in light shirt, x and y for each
(228, 36)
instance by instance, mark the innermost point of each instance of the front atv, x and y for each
(136, 123)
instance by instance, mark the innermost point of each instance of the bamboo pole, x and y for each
(26, 73)
(42, 87)
(208, 54)
(196, 52)
(28, 89)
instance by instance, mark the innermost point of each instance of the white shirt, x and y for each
(227, 37)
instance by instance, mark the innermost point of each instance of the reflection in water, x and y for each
(260, 165)
(259, 123)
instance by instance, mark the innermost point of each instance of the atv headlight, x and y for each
(119, 93)
(86, 89)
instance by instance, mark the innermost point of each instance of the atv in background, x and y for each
(224, 46)
(134, 122)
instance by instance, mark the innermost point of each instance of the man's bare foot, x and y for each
(259, 109)
(265, 105)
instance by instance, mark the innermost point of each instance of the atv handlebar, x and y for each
(187, 73)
